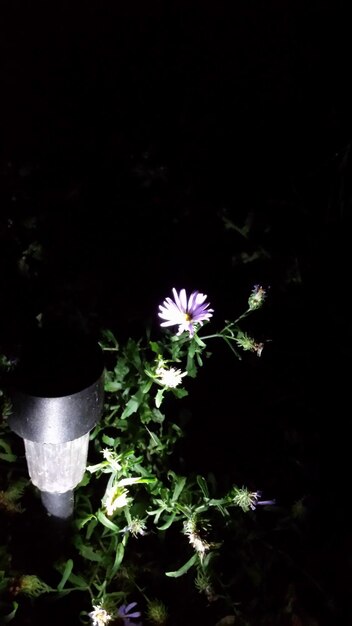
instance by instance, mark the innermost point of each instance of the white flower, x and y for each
(136, 527)
(170, 377)
(115, 498)
(99, 617)
(111, 457)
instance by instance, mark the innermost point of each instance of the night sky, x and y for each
(127, 132)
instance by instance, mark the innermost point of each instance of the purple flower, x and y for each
(125, 615)
(185, 312)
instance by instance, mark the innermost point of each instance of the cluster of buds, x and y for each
(256, 298)
(157, 612)
(191, 531)
(29, 585)
(247, 500)
(203, 584)
(248, 343)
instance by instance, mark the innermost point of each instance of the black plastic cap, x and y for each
(58, 387)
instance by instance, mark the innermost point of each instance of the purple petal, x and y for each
(191, 329)
(192, 300)
(200, 298)
(183, 299)
(177, 299)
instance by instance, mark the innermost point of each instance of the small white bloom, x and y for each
(111, 457)
(170, 377)
(136, 527)
(115, 498)
(99, 617)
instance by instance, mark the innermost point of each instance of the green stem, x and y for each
(233, 349)
(226, 338)
(242, 316)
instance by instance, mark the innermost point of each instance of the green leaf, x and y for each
(5, 446)
(104, 465)
(91, 555)
(108, 335)
(182, 569)
(199, 341)
(159, 397)
(168, 522)
(156, 513)
(191, 367)
(9, 617)
(191, 350)
(10, 458)
(66, 574)
(112, 386)
(154, 346)
(179, 392)
(90, 528)
(110, 441)
(157, 416)
(203, 486)
(84, 520)
(131, 407)
(121, 368)
(199, 359)
(85, 480)
(154, 438)
(78, 581)
(147, 386)
(132, 351)
(120, 551)
(180, 483)
(135, 480)
(106, 522)
(7, 455)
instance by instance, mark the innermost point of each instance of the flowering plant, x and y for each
(133, 505)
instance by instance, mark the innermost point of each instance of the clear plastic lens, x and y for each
(57, 468)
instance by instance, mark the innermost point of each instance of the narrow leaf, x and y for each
(120, 551)
(182, 569)
(168, 522)
(131, 407)
(159, 397)
(88, 553)
(110, 441)
(181, 481)
(106, 522)
(10, 458)
(65, 575)
(199, 341)
(203, 486)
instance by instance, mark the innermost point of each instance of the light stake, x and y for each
(58, 392)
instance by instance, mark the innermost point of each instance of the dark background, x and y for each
(136, 142)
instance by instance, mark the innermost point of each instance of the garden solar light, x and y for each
(57, 398)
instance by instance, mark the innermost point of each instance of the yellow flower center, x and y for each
(188, 317)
